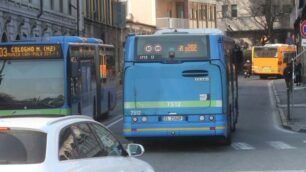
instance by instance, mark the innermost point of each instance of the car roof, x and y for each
(41, 123)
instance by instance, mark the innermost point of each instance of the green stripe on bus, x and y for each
(58, 111)
(172, 104)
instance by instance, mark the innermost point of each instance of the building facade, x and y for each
(105, 19)
(186, 14)
(248, 20)
(141, 16)
(25, 19)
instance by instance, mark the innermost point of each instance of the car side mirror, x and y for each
(135, 149)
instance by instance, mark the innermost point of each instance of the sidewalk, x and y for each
(298, 112)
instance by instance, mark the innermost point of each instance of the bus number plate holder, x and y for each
(173, 118)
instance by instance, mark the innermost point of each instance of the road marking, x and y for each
(113, 123)
(242, 146)
(278, 171)
(294, 105)
(280, 145)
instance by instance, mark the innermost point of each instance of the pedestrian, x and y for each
(288, 75)
(298, 72)
(238, 58)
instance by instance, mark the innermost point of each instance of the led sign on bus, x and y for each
(188, 48)
(30, 51)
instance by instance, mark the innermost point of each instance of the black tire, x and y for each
(263, 77)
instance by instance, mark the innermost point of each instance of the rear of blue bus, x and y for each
(174, 86)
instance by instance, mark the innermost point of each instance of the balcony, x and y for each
(166, 22)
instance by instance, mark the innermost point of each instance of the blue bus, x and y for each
(180, 83)
(58, 75)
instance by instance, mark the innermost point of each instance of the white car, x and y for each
(64, 144)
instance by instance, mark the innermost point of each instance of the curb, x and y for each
(284, 121)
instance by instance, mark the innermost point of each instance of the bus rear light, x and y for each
(280, 62)
(211, 118)
(4, 129)
(212, 128)
(134, 119)
(144, 119)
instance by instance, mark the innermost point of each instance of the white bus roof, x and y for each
(190, 31)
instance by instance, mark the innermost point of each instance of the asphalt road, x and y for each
(259, 144)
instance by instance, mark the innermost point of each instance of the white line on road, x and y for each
(113, 123)
(280, 145)
(294, 105)
(242, 146)
(278, 171)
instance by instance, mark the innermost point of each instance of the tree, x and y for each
(265, 14)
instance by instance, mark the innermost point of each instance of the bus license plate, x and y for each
(173, 118)
(266, 69)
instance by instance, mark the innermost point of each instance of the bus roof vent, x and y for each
(190, 31)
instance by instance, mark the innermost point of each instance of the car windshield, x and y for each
(22, 147)
(31, 84)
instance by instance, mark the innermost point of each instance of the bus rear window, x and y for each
(182, 47)
(22, 147)
(265, 52)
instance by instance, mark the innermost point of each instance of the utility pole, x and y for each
(77, 8)
(78, 17)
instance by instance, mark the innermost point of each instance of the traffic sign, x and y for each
(303, 29)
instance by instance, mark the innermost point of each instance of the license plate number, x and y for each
(173, 118)
(266, 69)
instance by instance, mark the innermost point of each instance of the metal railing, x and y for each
(168, 22)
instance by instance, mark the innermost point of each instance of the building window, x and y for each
(70, 7)
(52, 4)
(234, 10)
(169, 13)
(224, 11)
(180, 9)
(212, 13)
(203, 13)
(287, 8)
(61, 6)
(194, 14)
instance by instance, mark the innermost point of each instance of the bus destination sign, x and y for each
(30, 51)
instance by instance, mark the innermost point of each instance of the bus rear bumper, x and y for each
(178, 130)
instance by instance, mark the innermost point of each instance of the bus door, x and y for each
(83, 83)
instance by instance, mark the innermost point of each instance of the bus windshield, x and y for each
(182, 47)
(265, 52)
(31, 84)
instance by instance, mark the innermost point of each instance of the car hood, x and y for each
(142, 165)
(25, 167)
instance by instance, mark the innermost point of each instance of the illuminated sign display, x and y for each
(30, 51)
(188, 48)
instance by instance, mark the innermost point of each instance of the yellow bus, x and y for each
(271, 59)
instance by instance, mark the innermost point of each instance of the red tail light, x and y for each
(280, 62)
(4, 129)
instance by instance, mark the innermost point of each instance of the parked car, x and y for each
(62, 144)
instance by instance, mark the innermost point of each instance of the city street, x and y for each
(259, 144)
